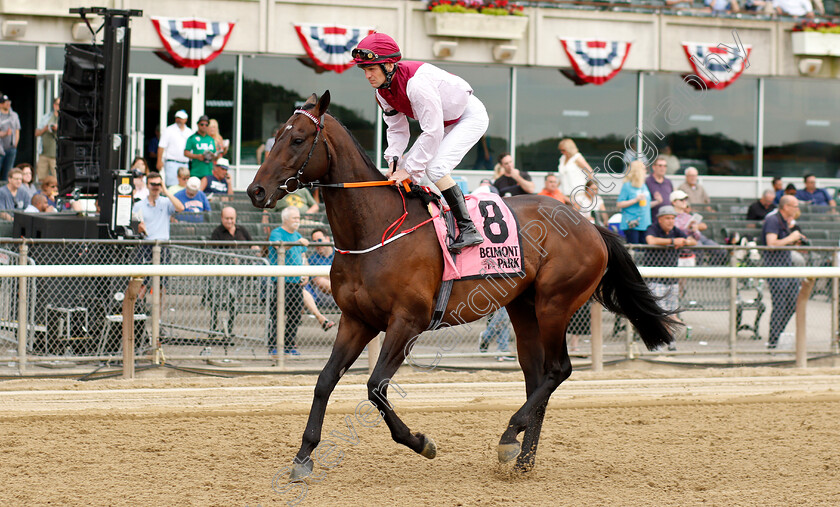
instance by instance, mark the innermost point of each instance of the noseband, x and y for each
(319, 125)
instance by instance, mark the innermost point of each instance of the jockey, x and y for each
(452, 120)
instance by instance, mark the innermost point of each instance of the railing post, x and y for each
(128, 326)
(834, 344)
(801, 334)
(156, 299)
(597, 341)
(280, 341)
(733, 322)
(23, 328)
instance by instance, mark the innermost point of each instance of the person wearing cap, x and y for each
(693, 226)
(451, 118)
(170, 151)
(218, 181)
(194, 200)
(201, 150)
(9, 135)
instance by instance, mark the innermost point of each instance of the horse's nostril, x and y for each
(259, 193)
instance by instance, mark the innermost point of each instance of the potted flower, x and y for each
(481, 19)
(818, 39)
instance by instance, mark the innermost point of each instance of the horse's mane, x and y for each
(368, 162)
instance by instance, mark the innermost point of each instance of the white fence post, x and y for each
(23, 327)
(156, 299)
(280, 329)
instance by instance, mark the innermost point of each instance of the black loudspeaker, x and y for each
(80, 119)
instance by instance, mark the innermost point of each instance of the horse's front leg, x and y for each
(351, 339)
(400, 331)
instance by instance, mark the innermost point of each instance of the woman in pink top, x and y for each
(452, 120)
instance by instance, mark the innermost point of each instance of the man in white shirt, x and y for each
(452, 120)
(795, 8)
(173, 141)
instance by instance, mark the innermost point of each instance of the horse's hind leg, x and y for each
(390, 358)
(351, 339)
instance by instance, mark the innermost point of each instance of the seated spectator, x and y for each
(760, 208)
(183, 176)
(692, 225)
(790, 189)
(591, 205)
(49, 188)
(718, 6)
(665, 233)
(194, 201)
(39, 204)
(513, 181)
(694, 191)
(794, 8)
(228, 230)
(319, 287)
(218, 182)
(485, 187)
(812, 194)
(28, 184)
(551, 189)
(223, 291)
(13, 196)
(660, 187)
(777, 184)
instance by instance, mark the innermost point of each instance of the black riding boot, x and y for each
(468, 236)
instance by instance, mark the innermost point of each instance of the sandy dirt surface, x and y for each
(718, 437)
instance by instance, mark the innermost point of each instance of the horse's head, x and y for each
(300, 154)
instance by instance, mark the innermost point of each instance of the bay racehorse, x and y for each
(393, 289)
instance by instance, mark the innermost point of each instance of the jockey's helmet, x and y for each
(376, 48)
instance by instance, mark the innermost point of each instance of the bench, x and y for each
(712, 295)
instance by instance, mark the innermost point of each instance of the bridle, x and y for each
(319, 126)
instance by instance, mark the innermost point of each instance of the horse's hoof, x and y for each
(524, 466)
(508, 452)
(300, 471)
(429, 448)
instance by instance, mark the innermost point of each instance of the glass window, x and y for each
(491, 84)
(800, 127)
(550, 107)
(55, 58)
(712, 130)
(273, 87)
(19, 56)
(218, 96)
(148, 62)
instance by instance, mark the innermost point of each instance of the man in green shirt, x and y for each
(201, 150)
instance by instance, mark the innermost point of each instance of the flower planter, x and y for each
(816, 43)
(477, 26)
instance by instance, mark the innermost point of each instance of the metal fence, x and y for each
(251, 316)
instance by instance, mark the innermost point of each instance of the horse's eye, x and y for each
(297, 141)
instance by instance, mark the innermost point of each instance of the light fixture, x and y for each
(810, 66)
(81, 32)
(444, 48)
(504, 52)
(13, 29)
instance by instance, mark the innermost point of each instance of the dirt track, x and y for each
(722, 439)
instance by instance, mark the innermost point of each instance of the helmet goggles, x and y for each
(366, 56)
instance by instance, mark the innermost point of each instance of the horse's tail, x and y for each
(623, 291)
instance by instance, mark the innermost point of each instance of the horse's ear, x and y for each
(313, 99)
(324, 102)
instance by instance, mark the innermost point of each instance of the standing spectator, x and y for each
(718, 6)
(483, 155)
(812, 194)
(695, 192)
(140, 170)
(183, 176)
(592, 206)
(39, 204)
(171, 147)
(794, 8)
(265, 148)
(194, 200)
(660, 187)
(634, 202)
(154, 213)
(573, 168)
(664, 233)
(513, 181)
(222, 144)
(293, 304)
(225, 290)
(48, 132)
(26, 172)
(219, 181)
(783, 291)
(201, 150)
(9, 136)
(152, 148)
(550, 188)
(498, 326)
(485, 186)
(673, 161)
(13, 196)
(760, 208)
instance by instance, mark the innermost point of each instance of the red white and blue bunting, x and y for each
(715, 65)
(596, 61)
(330, 46)
(192, 42)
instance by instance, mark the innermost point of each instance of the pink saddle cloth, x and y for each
(499, 254)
